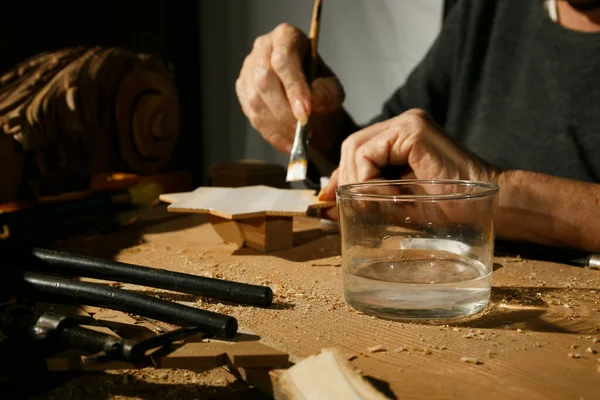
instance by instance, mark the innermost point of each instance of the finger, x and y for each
(327, 95)
(327, 193)
(386, 148)
(348, 167)
(330, 213)
(289, 47)
(268, 85)
(260, 117)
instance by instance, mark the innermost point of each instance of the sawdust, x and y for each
(471, 360)
(377, 349)
(310, 312)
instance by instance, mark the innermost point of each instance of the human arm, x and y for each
(549, 210)
(532, 207)
(274, 94)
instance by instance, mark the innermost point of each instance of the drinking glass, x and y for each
(416, 249)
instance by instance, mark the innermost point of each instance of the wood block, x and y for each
(195, 356)
(259, 217)
(324, 376)
(263, 233)
(214, 354)
(268, 234)
(256, 355)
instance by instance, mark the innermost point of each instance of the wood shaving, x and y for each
(574, 355)
(471, 360)
(377, 349)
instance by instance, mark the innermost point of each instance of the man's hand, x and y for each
(273, 91)
(413, 140)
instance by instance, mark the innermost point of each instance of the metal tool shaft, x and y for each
(91, 267)
(66, 291)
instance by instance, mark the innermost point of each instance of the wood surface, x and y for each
(542, 316)
(245, 202)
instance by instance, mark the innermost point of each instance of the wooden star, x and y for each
(256, 216)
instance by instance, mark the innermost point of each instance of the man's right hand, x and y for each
(273, 91)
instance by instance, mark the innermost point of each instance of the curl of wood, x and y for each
(81, 111)
(147, 120)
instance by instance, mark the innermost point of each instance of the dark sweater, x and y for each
(514, 87)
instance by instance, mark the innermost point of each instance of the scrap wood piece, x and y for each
(245, 202)
(324, 376)
(251, 354)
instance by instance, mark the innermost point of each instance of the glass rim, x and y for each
(488, 189)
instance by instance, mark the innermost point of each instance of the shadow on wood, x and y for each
(323, 247)
(534, 309)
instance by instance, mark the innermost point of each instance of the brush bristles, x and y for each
(296, 171)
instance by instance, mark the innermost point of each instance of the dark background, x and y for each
(168, 29)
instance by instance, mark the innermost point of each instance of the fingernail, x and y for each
(319, 97)
(300, 111)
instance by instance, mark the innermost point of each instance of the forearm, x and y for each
(548, 210)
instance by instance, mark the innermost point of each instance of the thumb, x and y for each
(327, 193)
(327, 95)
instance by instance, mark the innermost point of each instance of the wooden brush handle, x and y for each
(314, 39)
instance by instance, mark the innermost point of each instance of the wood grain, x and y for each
(80, 111)
(555, 307)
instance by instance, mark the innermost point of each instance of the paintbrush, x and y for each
(298, 158)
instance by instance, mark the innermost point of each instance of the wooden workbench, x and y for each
(542, 315)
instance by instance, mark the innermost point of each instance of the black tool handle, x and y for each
(78, 265)
(62, 290)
